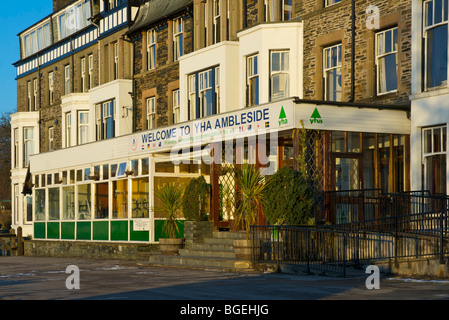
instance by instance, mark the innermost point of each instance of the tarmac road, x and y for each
(38, 278)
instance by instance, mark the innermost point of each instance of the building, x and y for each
(165, 91)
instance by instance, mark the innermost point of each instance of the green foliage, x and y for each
(288, 198)
(170, 197)
(194, 200)
(251, 185)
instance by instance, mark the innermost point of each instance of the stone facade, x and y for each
(161, 81)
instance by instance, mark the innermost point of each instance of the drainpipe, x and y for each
(245, 14)
(352, 97)
(133, 92)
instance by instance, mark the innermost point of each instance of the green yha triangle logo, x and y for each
(316, 117)
(283, 117)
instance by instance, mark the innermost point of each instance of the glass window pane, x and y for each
(101, 200)
(39, 205)
(338, 141)
(436, 60)
(68, 203)
(53, 204)
(275, 61)
(84, 202)
(428, 141)
(437, 140)
(120, 199)
(140, 198)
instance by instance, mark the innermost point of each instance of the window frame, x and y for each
(26, 140)
(379, 56)
(51, 136)
(151, 49)
(83, 125)
(327, 69)
(68, 129)
(252, 63)
(176, 102)
(51, 87)
(280, 72)
(178, 38)
(426, 27)
(67, 88)
(151, 112)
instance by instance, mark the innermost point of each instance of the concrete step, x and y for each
(204, 262)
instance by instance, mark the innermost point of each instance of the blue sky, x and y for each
(15, 17)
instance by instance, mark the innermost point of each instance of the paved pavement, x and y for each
(37, 278)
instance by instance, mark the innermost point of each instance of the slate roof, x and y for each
(155, 10)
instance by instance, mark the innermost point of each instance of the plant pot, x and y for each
(170, 246)
(243, 249)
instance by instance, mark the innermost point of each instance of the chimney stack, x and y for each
(59, 4)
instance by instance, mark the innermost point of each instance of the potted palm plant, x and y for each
(250, 188)
(170, 203)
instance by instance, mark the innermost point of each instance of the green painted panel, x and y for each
(100, 230)
(68, 230)
(138, 235)
(159, 229)
(52, 230)
(119, 230)
(39, 230)
(84, 231)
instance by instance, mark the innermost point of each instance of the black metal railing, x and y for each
(347, 206)
(334, 248)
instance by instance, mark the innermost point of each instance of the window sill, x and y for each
(430, 92)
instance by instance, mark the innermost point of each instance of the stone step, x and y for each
(229, 235)
(209, 254)
(211, 247)
(204, 262)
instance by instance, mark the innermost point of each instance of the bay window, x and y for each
(204, 93)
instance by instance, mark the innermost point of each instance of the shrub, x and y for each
(194, 200)
(288, 198)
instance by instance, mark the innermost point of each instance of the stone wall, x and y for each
(90, 250)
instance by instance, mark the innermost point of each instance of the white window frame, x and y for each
(381, 55)
(35, 95)
(176, 106)
(16, 148)
(217, 20)
(81, 138)
(51, 84)
(151, 49)
(192, 96)
(30, 101)
(68, 130)
(270, 10)
(178, 40)
(280, 72)
(26, 140)
(116, 60)
(83, 75)
(328, 68)
(91, 71)
(51, 136)
(429, 25)
(252, 64)
(151, 112)
(329, 3)
(443, 141)
(67, 89)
